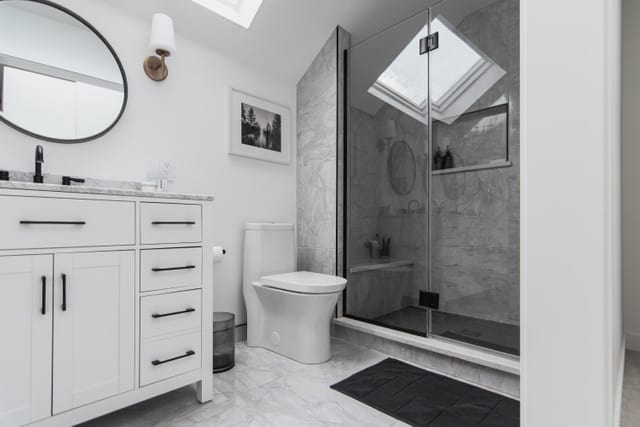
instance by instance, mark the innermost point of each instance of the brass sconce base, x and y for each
(155, 67)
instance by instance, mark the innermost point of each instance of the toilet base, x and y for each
(295, 325)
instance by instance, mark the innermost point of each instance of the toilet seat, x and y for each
(305, 282)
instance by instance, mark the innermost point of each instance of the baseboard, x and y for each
(633, 341)
(617, 409)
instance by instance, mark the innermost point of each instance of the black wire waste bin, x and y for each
(224, 341)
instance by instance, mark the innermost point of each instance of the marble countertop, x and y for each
(88, 189)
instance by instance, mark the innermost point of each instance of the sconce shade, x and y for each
(162, 35)
(390, 130)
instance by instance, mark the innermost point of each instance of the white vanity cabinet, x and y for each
(93, 329)
(26, 322)
(105, 301)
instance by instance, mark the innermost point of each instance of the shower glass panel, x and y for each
(432, 176)
(474, 195)
(386, 174)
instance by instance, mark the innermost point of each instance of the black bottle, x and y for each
(447, 159)
(437, 159)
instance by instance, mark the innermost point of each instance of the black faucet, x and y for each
(39, 161)
(67, 180)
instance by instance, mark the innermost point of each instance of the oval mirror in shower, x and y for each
(401, 166)
(60, 80)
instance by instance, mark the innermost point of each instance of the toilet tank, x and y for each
(269, 248)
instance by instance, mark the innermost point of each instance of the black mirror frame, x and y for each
(120, 67)
(398, 143)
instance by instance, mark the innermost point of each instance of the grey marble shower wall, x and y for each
(319, 138)
(476, 215)
(375, 208)
(475, 224)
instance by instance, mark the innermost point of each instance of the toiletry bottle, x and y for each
(437, 159)
(387, 247)
(447, 159)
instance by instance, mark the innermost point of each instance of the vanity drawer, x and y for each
(165, 358)
(170, 268)
(170, 313)
(170, 223)
(42, 222)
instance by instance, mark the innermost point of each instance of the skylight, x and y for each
(241, 12)
(449, 67)
(460, 74)
(407, 74)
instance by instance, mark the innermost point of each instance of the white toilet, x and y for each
(288, 312)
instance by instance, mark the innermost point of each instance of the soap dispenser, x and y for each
(437, 159)
(447, 159)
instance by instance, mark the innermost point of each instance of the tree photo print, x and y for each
(261, 128)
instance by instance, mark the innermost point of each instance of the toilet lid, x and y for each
(305, 282)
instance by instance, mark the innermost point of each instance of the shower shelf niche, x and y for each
(494, 165)
(381, 264)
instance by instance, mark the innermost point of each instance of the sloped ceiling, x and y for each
(286, 34)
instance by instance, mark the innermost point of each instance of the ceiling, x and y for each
(286, 34)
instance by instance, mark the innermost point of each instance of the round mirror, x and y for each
(401, 167)
(60, 80)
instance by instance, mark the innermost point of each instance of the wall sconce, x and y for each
(163, 42)
(389, 134)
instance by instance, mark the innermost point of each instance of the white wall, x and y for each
(571, 335)
(182, 119)
(630, 170)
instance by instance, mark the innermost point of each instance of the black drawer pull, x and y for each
(64, 292)
(186, 267)
(43, 310)
(173, 223)
(175, 313)
(160, 362)
(53, 222)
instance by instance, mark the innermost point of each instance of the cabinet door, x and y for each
(93, 348)
(25, 334)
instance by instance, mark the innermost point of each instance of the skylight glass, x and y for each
(241, 12)
(407, 74)
(460, 74)
(450, 66)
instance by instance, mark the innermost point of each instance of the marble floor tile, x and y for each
(265, 389)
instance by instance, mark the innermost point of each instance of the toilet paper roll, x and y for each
(218, 253)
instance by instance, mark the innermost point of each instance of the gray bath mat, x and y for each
(422, 398)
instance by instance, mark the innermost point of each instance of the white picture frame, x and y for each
(256, 135)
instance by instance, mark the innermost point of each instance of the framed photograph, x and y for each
(259, 129)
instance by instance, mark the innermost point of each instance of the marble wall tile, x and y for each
(372, 294)
(375, 208)
(474, 229)
(362, 179)
(317, 159)
(475, 215)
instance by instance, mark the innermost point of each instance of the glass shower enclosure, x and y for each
(432, 175)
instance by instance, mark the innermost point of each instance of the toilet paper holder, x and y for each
(218, 253)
